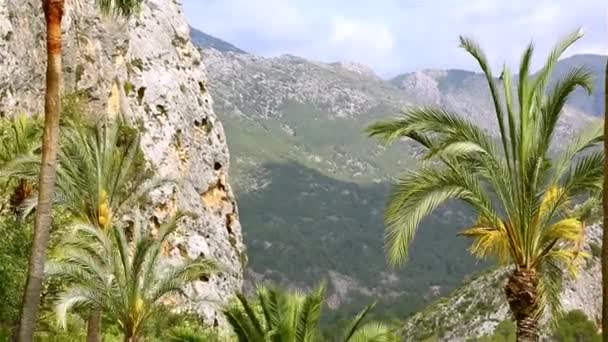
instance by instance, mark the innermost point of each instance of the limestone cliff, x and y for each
(148, 70)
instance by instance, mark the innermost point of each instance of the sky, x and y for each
(397, 36)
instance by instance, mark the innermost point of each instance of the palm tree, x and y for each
(522, 195)
(19, 158)
(100, 174)
(280, 316)
(53, 13)
(129, 278)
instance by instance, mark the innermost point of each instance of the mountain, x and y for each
(117, 69)
(596, 64)
(312, 187)
(202, 39)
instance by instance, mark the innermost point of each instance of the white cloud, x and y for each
(358, 34)
(359, 41)
(393, 36)
(267, 19)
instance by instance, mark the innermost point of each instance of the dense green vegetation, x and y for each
(575, 326)
(13, 261)
(315, 230)
(329, 216)
(504, 332)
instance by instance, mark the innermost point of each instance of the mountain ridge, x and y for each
(210, 39)
(201, 38)
(312, 186)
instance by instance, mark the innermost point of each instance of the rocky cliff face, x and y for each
(147, 70)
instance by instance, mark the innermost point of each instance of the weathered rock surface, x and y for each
(265, 85)
(147, 69)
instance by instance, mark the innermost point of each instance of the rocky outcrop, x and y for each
(147, 70)
(261, 87)
(467, 93)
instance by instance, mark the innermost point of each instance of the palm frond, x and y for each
(545, 73)
(357, 322)
(74, 298)
(418, 194)
(578, 77)
(105, 270)
(524, 93)
(310, 316)
(242, 324)
(489, 242)
(550, 287)
(585, 175)
(586, 140)
(375, 332)
(569, 229)
(474, 50)
(177, 276)
(101, 171)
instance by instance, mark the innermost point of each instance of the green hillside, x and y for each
(311, 186)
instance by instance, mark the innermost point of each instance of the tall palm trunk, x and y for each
(53, 13)
(94, 326)
(522, 296)
(605, 238)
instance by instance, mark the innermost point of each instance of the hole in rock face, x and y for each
(203, 124)
(141, 92)
(217, 166)
(155, 221)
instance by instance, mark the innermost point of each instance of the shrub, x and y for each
(574, 326)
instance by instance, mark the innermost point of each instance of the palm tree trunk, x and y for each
(522, 295)
(605, 203)
(53, 13)
(94, 326)
(132, 338)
